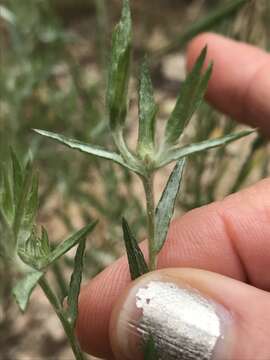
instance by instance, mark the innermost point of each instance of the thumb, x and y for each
(191, 314)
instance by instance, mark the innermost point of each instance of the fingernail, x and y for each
(175, 320)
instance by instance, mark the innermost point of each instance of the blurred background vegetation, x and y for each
(53, 64)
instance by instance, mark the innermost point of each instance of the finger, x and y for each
(191, 314)
(240, 84)
(230, 237)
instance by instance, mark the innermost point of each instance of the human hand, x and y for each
(229, 241)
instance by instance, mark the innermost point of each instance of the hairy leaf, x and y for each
(119, 70)
(178, 153)
(75, 283)
(24, 288)
(165, 208)
(190, 98)
(147, 112)
(86, 148)
(137, 264)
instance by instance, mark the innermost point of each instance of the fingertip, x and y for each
(239, 85)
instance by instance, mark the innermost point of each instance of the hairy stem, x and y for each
(150, 211)
(61, 316)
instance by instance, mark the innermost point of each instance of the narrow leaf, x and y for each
(75, 283)
(24, 288)
(69, 243)
(165, 208)
(86, 148)
(147, 112)
(178, 153)
(137, 264)
(190, 98)
(119, 71)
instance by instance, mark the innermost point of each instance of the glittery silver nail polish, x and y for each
(183, 324)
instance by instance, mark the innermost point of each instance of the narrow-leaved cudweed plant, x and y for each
(150, 154)
(26, 247)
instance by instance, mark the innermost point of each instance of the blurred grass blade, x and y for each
(147, 112)
(7, 203)
(69, 243)
(150, 352)
(75, 283)
(190, 98)
(136, 261)
(248, 164)
(119, 71)
(178, 153)
(24, 288)
(165, 208)
(27, 206)
(17, 176)
(85, 148)
(214, 18)
(7, 15)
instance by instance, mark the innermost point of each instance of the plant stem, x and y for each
(64, 321)
(150, 211)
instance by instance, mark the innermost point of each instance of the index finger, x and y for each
(230, 237)
(240, 83)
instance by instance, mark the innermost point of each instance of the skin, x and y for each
(229, 240)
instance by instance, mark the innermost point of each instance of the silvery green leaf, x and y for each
(165, 208)
(178, 153)
(147, 112)
(87, 148)
(136, 261)
(119, 71)
(24, 288)
(75, 283)
(190, 98)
